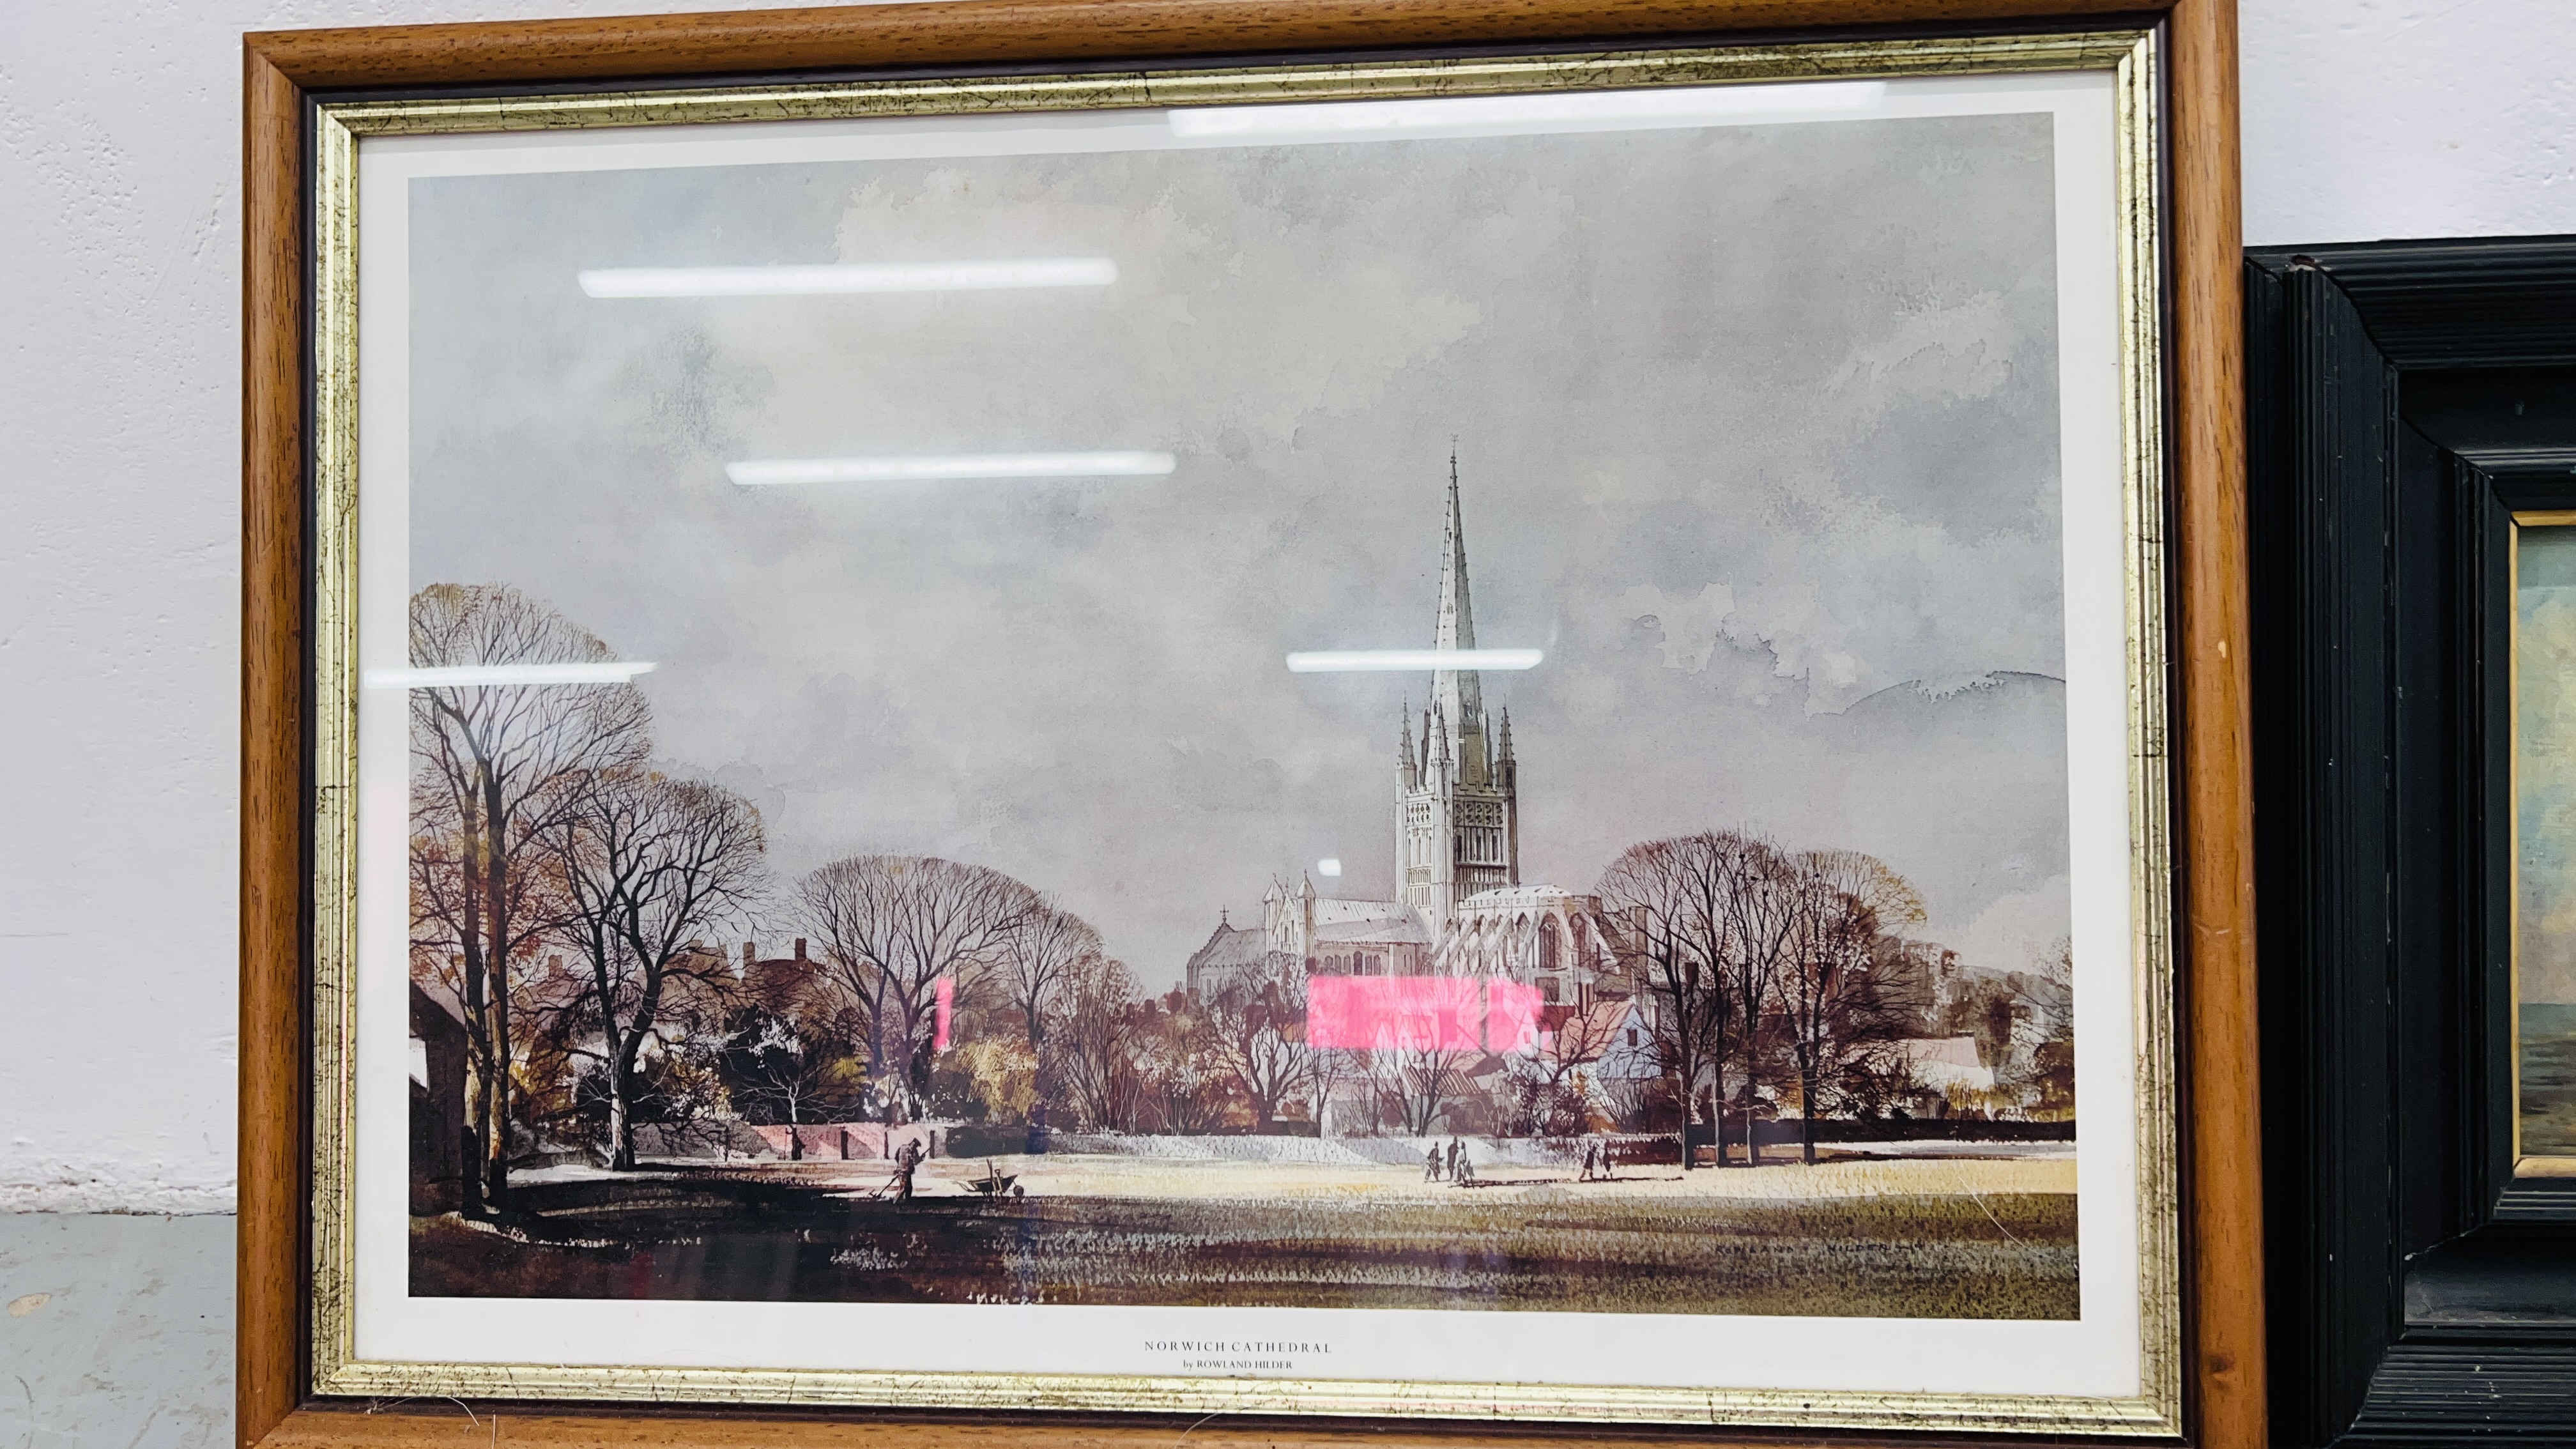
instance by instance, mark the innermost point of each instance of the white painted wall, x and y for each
(119, 232)
(2373, 119)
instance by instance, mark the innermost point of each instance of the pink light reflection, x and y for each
(1511, 1016)
(1421, 1013)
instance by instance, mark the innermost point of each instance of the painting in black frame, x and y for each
(2407, 400)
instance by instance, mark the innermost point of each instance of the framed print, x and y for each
(2412, 452)
(1465, 723)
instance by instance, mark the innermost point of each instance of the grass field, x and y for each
(1933, 1239)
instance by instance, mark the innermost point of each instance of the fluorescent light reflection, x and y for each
(1362, 661)
(1330, 865)
(468, 676)
(949, 465)
(1642, 109)
(862, 277)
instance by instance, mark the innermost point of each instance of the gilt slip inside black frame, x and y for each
(2405, 399)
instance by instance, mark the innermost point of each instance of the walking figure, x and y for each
(1457, 1151)
(1431, 1164)
(1591, 1158)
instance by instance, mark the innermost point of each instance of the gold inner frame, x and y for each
(2524, 1164)
(2129, 54)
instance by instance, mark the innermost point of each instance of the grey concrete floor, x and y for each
(115, 1332)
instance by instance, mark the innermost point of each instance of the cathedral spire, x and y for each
(1458, 692)
(1457, 817)
(1404, 746)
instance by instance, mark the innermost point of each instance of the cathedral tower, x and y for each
(1457, 813)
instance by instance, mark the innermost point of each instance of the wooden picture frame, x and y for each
(2222, 1379)
(2409, 412)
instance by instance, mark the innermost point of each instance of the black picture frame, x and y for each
(2404, 400)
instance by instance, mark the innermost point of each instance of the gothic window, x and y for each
(1547, 989)
(1548, 945)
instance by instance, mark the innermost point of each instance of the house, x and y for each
(1947, 1071)
(439, 1145)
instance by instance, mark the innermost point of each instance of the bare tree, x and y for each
(1331, 1075)
(2046, 992)
(449, 899)
(1759, 900)
(1257, 1028)
(1830, 994)
(1098, 1031)
(1416, 1085)
(554, 1076)
(1673, 896)
(789, 1043)
(1184, 1076)
(1625, 1099)
(652, 866)
(790, 1068)
(484, 759)
(2042, 1070)
(1550, 1082)
(892, 926)
(1041, 956)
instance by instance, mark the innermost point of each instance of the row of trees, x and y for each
(1235, 1056)
(542, 836)
(565, 890)
(497, 772)
(1763, 959)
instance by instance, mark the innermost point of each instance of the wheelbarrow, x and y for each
(994, 1185)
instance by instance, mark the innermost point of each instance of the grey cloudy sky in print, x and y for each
(1756, 435)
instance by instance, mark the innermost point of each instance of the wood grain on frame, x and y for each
(2221, 1098)
(2221, 1184)
(269, 1252)
(1009, 31)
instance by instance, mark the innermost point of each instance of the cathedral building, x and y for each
(1459, 907)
